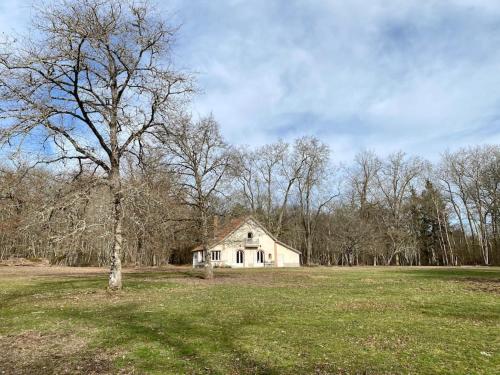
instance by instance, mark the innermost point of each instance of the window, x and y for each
(215, 255)
(260, 256)
(239, 256)
(250, 235)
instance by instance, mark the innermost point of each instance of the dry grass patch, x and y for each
(483, 285)
(34, 352)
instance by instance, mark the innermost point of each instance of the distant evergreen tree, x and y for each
(430, 222)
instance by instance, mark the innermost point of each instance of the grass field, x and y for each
(293, 321)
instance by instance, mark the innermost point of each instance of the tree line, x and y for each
(103, 163)
(393, 210)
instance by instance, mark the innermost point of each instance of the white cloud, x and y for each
(418, 75)
(421, 75)
(14, 15)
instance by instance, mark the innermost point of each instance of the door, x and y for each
(240, 258)
(260, 258)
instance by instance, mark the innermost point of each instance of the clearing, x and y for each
(257, 321)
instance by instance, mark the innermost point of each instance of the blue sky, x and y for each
(422, 76)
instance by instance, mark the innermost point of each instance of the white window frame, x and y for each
(216, 255)
(260, 256)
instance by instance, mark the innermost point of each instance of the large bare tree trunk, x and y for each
(309, 247)
(115, 272)
(209, 268)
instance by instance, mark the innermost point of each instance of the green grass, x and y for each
(294, 321)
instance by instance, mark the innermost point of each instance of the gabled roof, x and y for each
(232, 226)
(224, 231)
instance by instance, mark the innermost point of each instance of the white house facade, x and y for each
(245, 243)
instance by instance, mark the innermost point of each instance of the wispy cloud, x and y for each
(14, 16)
(418, 75)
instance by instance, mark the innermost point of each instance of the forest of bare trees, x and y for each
(394, 210)
(101, 163)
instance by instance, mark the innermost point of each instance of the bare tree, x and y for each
(290, 167)
(362, 179)
(153, 212)
(244, 170)
(199, 155)
(313, 156)
(266, 177)
(94, 82)
(395, 178)
(270, 158)
(470, 178)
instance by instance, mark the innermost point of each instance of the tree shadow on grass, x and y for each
(193, 341)
(483, 282)
(195, 345)
(448, 273)
(45, 286)
(49, 289)
(466, 312)
(162, 273)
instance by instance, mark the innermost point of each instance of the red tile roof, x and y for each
(223, 231)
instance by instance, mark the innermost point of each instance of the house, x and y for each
(246, 243)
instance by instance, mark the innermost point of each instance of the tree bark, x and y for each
(209, 268)
(309, 247)
(115, 273)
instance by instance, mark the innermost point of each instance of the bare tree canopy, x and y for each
(197, 153)
(313, 156)
(92, 83)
